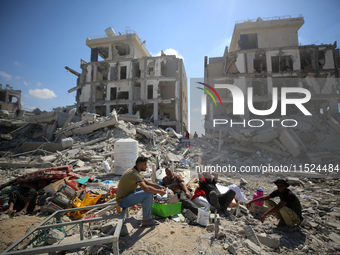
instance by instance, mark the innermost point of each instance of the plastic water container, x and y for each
(257, 194)
(203, 217)
(125, 153)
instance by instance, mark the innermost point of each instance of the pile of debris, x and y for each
(314, 140)
(85, 145)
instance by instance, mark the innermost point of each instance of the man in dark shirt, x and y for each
(288, 210)
(219, 201)
(176, 183)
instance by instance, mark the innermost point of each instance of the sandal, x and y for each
(151, 223)
(22, 212)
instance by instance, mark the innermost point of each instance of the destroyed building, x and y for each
(123, 76)
(266, 54)
(10, 100)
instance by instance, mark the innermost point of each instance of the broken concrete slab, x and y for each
(335, 237)
(250, 234)
(11, 165)
(173, 158)
(271, 149)
(53, 147)
(289, 140)
(244, 149)
(265, 138)
(252, 246)
(279, 144)
(270, 241)
(238, 136)
(129, 131)
(83, 130)
(334, 124)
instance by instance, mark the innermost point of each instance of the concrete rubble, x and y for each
(89, 142)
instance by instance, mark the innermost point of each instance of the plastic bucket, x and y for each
(203, 217)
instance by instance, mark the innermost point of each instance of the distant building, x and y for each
(265, 53)
(10, 100)
(122, 75)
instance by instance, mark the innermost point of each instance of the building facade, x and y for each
(122, 75)
(265, 54)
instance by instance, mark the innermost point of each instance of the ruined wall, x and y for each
(276, 38)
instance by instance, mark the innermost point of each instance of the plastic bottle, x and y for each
(257, 194)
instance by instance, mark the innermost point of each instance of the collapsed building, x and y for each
(123, 76)
(267, 67)
(266, 54)
(10, 100)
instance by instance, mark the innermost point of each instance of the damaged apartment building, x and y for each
(265, 53)
(10, 100)
(123, 76)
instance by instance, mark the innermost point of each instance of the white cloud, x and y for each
(26, 83)
(42, 93)
(5, 75)
(171, 52)
(16, 63)
(39, 84)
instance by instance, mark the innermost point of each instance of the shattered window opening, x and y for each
(260, 64)
(123, 49)
(113, 94)
(100, 93)
(321, 58)
(281, 64)
(123, 95)
(101, 110)
(3, 96)
(123, 72)
(150, 91)
(103, 52)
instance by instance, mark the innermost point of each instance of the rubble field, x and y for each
(52, 140)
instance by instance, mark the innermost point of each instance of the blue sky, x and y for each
(39, 38)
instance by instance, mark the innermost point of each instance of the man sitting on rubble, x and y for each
(127, 195)
(22, 200)
(288, 211)
(219, 201)
(176, 183)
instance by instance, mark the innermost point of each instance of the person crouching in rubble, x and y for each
(176, 183)
(127, 195)
(288, 211)
(219, 201)
(22, 200)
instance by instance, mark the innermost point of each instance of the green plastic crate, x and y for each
(166, 210)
